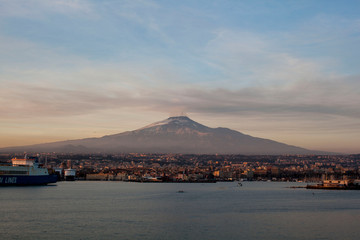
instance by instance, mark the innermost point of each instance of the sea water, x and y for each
(124, 210)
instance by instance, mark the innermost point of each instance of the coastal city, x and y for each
(138, 167)
(154, 119)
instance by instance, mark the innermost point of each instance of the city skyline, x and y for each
(285, 70)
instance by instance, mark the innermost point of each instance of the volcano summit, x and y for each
(173, 135)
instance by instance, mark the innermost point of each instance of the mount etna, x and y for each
(173, 135)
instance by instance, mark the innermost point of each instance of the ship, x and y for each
(70, 174)
(25, 171)
(347, 184)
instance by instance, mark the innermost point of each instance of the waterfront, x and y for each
(125, 210)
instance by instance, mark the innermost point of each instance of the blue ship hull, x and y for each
(13, 180)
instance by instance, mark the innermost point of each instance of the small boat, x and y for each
(25, 171)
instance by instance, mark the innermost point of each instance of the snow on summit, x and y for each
(178, 120)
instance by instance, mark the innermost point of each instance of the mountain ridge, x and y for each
(173, 135)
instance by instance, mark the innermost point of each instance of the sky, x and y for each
(283, 70)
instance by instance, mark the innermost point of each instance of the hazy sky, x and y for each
(284, 70)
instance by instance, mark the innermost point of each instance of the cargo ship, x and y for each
(25, 171)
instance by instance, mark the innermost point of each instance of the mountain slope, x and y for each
(173, 135)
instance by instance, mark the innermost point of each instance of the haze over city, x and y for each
(282, 70)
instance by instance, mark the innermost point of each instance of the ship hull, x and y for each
(18, 180)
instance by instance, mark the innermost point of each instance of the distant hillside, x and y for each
(173, 135)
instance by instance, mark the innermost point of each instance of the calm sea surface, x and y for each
(119, 210)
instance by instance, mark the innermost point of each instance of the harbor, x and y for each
(178, 168)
